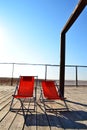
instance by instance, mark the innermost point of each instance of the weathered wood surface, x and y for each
(75, 118)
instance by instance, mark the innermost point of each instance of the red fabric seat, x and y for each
(49, 93)
(25, 88)
(49, 90)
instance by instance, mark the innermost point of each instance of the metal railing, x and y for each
(45, 71)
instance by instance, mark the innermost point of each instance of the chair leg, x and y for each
(22, 106)
(11, 104)
(13, 97)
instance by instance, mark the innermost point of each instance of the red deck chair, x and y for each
(25, 90)
(50, 93)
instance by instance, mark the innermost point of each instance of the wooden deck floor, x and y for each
(75, 118)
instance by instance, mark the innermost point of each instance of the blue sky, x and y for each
(30, 32)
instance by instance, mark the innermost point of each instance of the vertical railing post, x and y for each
(76, 76)
(12, 74)
(45, 72)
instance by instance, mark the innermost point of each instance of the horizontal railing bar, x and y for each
(44, 64)
(29, 64)
(75, 66)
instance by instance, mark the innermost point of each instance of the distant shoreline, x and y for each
(13, 81)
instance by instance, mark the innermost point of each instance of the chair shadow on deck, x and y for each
(73, 119)
(63, 120)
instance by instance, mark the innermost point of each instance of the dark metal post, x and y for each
(45, 72)
(12, 74)
(62, 64)
(76, 76)
(79, 8)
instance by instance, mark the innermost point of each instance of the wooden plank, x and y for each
(18, 122)
(8, 120)
(6, 95)
(5, 111)
(76, 118)
(4, 104)
(5, 99)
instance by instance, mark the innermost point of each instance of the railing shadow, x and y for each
(77, 103)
